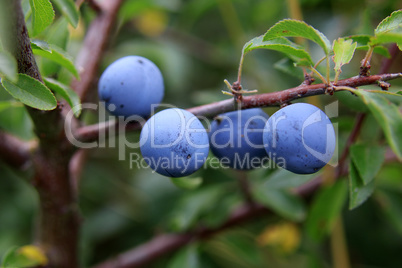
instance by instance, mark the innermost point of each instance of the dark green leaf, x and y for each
(237, 248)
(295, 28)
(343, 52)
(69, 10)
(8, 66)
(367, 160)
(358, 192)
(188, 183)
(388, 116)
(194, 205)
(281, 201)
(186, 257)
(295, 52)
(57, 55)
(42, 15)
(67, 93)
(31, 92)
(220, 212)
(325, 209)
(391, 204)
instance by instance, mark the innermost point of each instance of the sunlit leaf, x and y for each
(295, 52)
(343, 52)
(69, 10)
(295, 28)
(26, 256)
(390, 23)
(363, 44)
(57, 55)
(42, 15)
(31, 92)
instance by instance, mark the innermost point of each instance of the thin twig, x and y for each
(163, 244)
(14, 151)
(94, 46)
(91, 133)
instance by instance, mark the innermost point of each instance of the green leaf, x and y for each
(8, 66)
(389, 30)
(31, 92)
(295, 52)
(236, 249)
(8, 104)
(387, 115)
(391, 204)
(367, 160)
(295, 28)
(57, 55)
(363, 44)
(188, 183)
(194, 205)
(27, 256)
(343, 52)
(325, 209)
(40, 44)
(283, 179)
(186, 257)
(389, 37)
(58, 35)
(390, 23)
(352, 101)
(286, 66)
(220, 212)
(281, 201)
(358, 192)
(67, 93)
(42, 15)
(69, 10)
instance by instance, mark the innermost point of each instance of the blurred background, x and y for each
(197, 44)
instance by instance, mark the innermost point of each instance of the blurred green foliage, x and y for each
(197, 44)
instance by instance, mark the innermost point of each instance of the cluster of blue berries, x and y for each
(174, 142)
